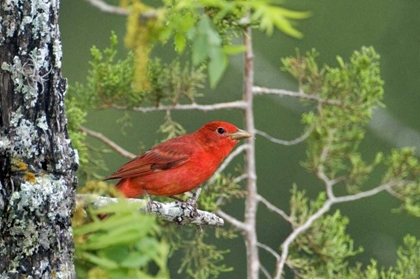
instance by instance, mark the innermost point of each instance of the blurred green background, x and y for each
(335, 28)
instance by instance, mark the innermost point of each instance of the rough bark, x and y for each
(37, 161)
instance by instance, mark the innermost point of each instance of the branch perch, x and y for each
(178, 212)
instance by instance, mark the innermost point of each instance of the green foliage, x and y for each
(269, 16)
(353, 90)
(404, 168)
(357, 88)
(407, 266)
(172, 82)
(171, 128)
(124, 245)
(206, 27)
(200, 260)
(220, 192)
(76, 116)
(322, 250)
(207, 44)
(109, 82)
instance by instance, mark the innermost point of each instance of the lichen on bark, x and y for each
(37, 161)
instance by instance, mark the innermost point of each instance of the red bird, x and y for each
(180, 164)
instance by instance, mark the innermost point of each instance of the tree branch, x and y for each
(239, 225)
(227, 161)
(106, 8)
(108, 142)
(262, 90)
(285, 142)
(275, 209)
(251, 202)
(194, 106)
(269, 250)
(178, 212)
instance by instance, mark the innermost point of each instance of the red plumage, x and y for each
(180, 164)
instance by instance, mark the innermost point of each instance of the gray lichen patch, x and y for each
(24, 137)
(30, 202)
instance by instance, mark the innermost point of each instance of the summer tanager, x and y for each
(180, 164)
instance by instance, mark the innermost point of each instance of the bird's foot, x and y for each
(150, 203)
(190, 205)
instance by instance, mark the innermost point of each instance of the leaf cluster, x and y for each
(357, 88)
(321, 251)
(125, 244)
(220, 192)
(407, 266)
(204, 27)
(200, 260)
(404, 168)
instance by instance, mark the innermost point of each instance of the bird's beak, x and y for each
(240, 134)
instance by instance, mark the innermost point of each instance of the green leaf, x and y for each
(180, 42)
(103, 262)
(217, 65)
(233, 49)
(200, 49)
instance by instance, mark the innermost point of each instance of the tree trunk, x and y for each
(37, 161)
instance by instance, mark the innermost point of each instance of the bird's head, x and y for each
(221, 136)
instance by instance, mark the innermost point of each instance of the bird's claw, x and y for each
(150, 203)
(190, 205)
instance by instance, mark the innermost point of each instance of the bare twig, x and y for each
(287, 142)
(228, 105)
(174, 212)
(108, 142)
(282, 92)
(227, 161)
(275, 209)
(239, 225)
(365, 194)
(240, 178)
(265, 272)
(269, 250)
(106, 8)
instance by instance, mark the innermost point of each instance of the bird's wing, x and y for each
(165, 156)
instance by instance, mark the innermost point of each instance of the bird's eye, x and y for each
(220, 130)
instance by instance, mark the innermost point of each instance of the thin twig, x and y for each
(108, 142)
(269, 250)
(240, 178)
(106, 8)
(226, 162)
(365, 194)
(287, 142)
(275, 209)
(194, 106)
(265, 272)
(239, 225)
(282, 92)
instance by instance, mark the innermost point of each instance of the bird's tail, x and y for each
(128, 188)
